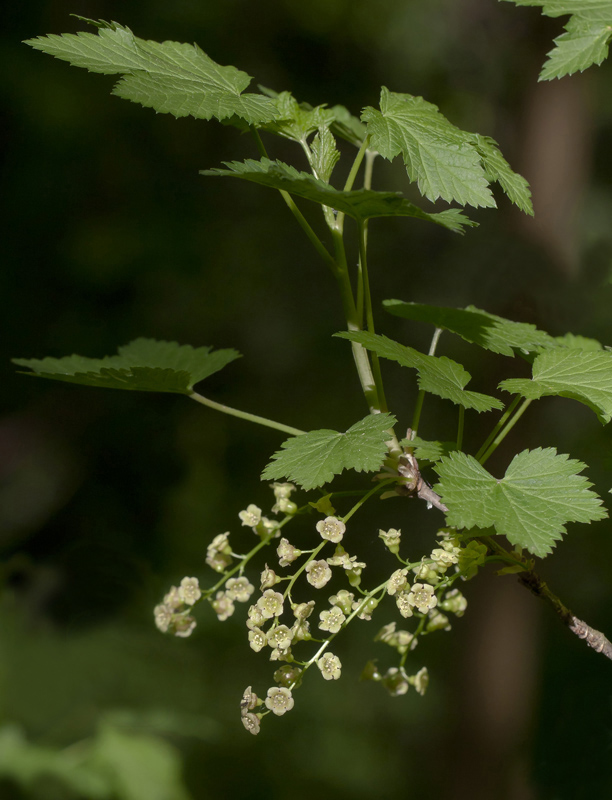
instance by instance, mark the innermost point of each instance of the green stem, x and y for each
(500, 424)
(363, 262)
(245, 559)
(505, 431)
(302, 221)
(416, 417)
(312, 557)
(351, 178)
(460, 427)
(234, 412)
(365, 498)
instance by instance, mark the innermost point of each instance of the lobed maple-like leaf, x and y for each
(312, 460)
(172, 78)
(438, 375)
(583, 375)
(361, 204)
(143, 365)
(445, 161)
(540, 492)
(476, 326)
(586, 39)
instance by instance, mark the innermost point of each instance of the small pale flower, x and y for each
(280, 637)
(303, 610)
(391, 539)
(287, 553)
(330, 666)
(189, 591)
(437, 622)
(220, 543)
(444, 558)
(331, 619)
(420, 681)
(251, 517)
(284, 506)
(239, 589)
(425, 572)
(344, 600)
(318, 573)
(268, 579)
(278, 654)
(397, 582)
(331, 528)
(395, 682)
(251, 722)
(301, 631)
(402, 641)
(255, 617)
(454, 602)
(223, 606)
(404, 604)
(163, 617)
(282, 491)
(173, 599)
(218, 561)
(257, 639)
(249, 701)
(183, 625)
(271, 604)
(279, 700)
(422, 597)
(386, 633)
(365, 608)
(267, 526)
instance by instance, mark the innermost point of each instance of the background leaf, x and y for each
(583, 375)
(172, 78)
(142, 365)
(540, 492)
(438, 375)
(313, 459)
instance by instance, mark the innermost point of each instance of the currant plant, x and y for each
(510, 521)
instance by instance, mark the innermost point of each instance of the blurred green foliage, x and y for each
(107, 498)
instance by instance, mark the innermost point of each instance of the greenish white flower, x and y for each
(287, 553)
(391, 539)
(257, 639)
(331, 619)
(331, 528)
(189, 591)
(218, 553)
(183, 625)
(284, 506)
(395, 682)
(268, 579)
(251, 517)
(437, 622)
(303, 610)
(444, 558)
(279, 700)
(251, 722)
(397, 582)
(173, 599)
(255, 618)
(404, 605)
(282, 491)
(249, 701)
(330, 666)
(420, 681)
(223, 606)
(163, 617)
(280, 637)
(318, 573)
(239, 589)
(366, 607)
(343, 599)
(271, 604)
(422, 597)
(454, 602)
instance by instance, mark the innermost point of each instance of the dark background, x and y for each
(106, 498)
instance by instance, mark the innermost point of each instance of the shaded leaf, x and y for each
(172, 78)
(360, 204)
(312, 460)
(583, 375)
(429, 451)
(474, 325)
(540, 492)
(142, 365)
(438, 375)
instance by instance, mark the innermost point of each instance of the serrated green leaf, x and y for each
(348, 127)
(540, 492)
(438, 375)
(297, 121)
(576, 342)
(445, 161)
(142, 365)
(583, 375)
(476, 326)
(429, 451)
(587, 37)
(325, 154)
(173, 78)
(360, 204)
(312, 460)
(471, 557)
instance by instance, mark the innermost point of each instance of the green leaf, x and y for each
(296, 121)
(312, 460)
(172, 78)
(445, 161)
(585, 42)
(360, 204)
(583, 375)
(476, 326)
(325, 154)
(540, 492)
(142, 365)
(347, 126)
(471, 557)
(429, 451)
(438, 375)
